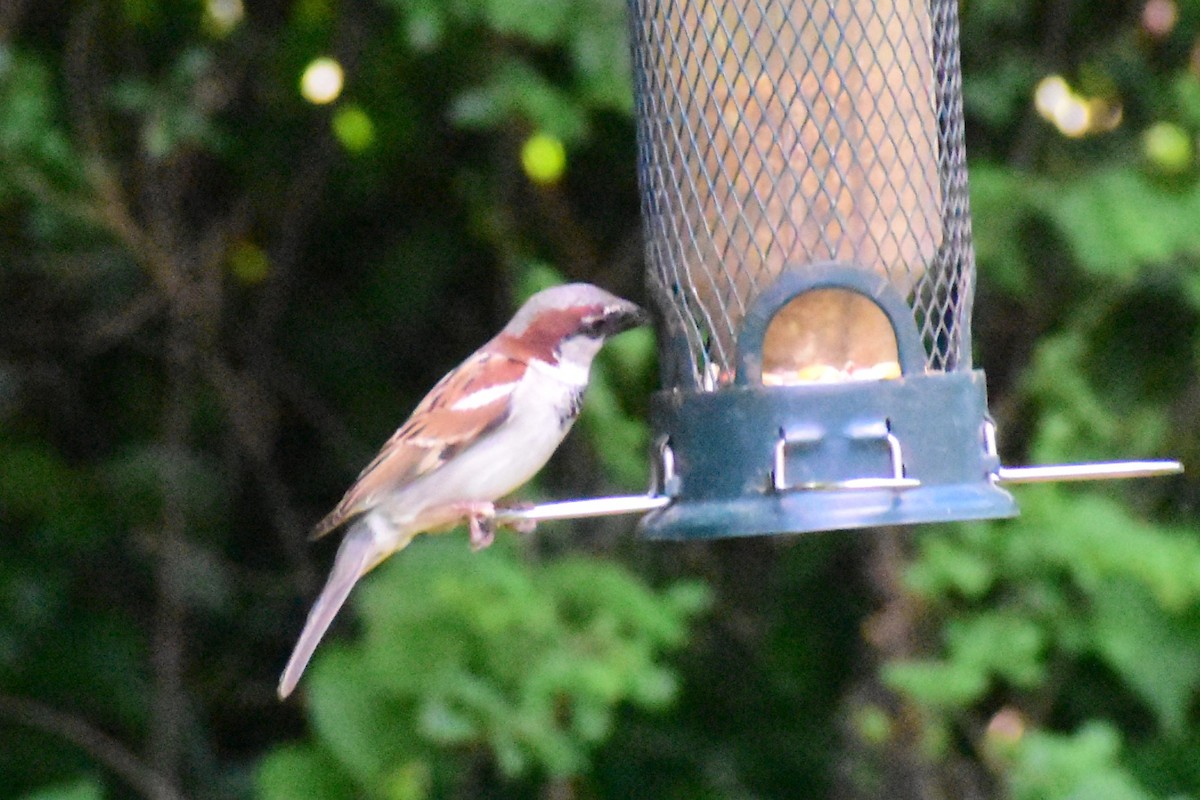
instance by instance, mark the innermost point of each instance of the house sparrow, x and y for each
(484, 429)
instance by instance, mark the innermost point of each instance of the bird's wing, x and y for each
(470, 401)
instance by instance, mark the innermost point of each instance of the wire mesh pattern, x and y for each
(779, 133)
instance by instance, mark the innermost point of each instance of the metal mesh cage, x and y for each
(778, 134)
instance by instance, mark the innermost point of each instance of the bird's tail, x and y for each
(367, 544)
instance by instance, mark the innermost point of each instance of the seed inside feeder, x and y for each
(829, 335)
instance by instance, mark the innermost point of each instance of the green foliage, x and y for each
(81, 790)
(590, 33)
(302, 771)
(973, 661)
(522, 664)
(1156, 654)
(172, 114)
(1118, 220)
(1083, 764)
(516, 89)
(32, 137)
(1000, 196)
(1075, 580)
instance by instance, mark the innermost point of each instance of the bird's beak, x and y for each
(624, 317)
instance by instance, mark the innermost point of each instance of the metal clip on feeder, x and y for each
(808, 243)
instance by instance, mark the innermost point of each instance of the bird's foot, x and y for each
(481, 519)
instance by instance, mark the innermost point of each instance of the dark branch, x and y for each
(96, 743)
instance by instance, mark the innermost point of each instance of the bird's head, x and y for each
(569, 323)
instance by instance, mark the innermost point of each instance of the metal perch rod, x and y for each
(644, 503)
(1100, 471)
(581, 509)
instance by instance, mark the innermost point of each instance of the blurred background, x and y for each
(239, 241)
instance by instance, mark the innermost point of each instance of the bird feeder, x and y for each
(809, 255)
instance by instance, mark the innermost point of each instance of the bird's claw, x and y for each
(482, 523)
(481, 519)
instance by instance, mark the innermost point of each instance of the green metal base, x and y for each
(826, 512)
(752, 459)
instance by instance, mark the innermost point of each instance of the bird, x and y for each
(484, 429)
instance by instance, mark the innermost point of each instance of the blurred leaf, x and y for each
(1167, 766)
(36, 482)
(1186, 90)
(998, 201)
(248, 263)
(1168, 148)
(84, 789)
(35, 145)
(1156, 654)
(600, 48)
(541, 21)
(517, 90)
(424, 22)
(998, 95)
(174, 110)
(410, 781)
(1098, 541)
(1006, 644)
(1117, 221)
(353, 128)
(941, 684)
(620, 440)
(141, 475)
(630, 355)
(356, 723)
(293, 771)
(534, 276)
(945, 566)
(1051, 766)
